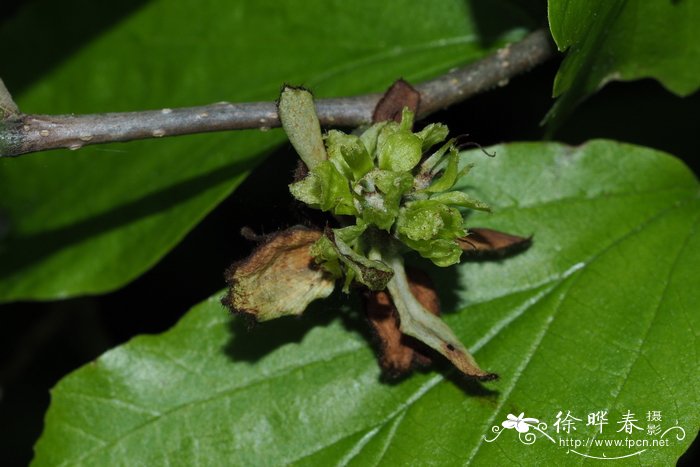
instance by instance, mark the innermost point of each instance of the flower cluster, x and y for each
(388, 180)
(391, 190)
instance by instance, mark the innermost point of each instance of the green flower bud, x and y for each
(348, 154)
(400, 152)
(381, 192)
(431, 228)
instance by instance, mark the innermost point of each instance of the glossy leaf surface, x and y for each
(601, 313)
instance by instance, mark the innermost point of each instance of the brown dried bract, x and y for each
(488, 243)
(400, 353)
(279, 277)
(399, 95)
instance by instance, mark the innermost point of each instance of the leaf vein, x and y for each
(650, 326)
(218, 395)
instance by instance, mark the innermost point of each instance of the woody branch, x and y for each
(25, 133)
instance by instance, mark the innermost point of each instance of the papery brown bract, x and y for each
(280, 277)
(488, 243)
(395, 99)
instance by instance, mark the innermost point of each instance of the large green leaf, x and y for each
(89, 221)
(600, 314)
(624, 40)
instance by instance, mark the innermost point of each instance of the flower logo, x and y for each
(521, 424)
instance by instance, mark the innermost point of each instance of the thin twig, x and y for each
(30, 133)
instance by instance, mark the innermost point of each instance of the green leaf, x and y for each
(601, 313)
(623, 40)
(90, 221)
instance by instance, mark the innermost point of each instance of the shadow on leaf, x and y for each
(250, 341)
(70, 24)
(493, 20)
(26, 250)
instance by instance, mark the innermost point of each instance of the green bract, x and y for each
(344, 253)
(379, 178)
(325, 188)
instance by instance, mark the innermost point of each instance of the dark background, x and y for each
(42, 342)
